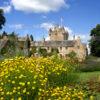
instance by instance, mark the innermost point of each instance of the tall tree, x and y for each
(95, 41)
(31, 37)
(2, 19)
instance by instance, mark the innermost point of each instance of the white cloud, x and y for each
(38, 5)
(84, 37)
(6, 9)
(47, 38)
(70, 31)
(16, 26)
(47, 25)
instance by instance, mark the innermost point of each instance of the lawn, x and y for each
(85, 76)
(94, 81)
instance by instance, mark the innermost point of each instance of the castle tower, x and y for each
(58, 34)
(4, 36)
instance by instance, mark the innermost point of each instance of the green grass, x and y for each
(91, 64)
(85, 76)
(98, 96)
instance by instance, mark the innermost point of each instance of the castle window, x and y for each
(66, 55)
(61, 55)
(60, 48)
(48, 48)
(55, 33)
(78, 47)
(66, 48)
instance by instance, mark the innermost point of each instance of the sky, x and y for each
(37, 16)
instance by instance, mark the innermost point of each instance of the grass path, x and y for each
(84, 76)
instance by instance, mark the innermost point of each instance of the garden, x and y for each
(49, 78)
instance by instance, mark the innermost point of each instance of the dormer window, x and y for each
(49, 34)
(55, 33)
(78, 47)
(48, 48)
(60, 48)
(66, 48)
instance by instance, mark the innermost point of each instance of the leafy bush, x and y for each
(91, 68)
(30, 78)
(91, 64)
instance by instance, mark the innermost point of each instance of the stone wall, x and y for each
(58, 34)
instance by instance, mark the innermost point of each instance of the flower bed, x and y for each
(37, 79)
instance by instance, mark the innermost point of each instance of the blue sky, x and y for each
(37, 16)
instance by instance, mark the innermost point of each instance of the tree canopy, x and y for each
(2, 19)
(95, 41)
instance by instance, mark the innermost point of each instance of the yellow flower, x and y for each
(22, 83)
(1, 98)
(7, 93)
(33, 87)
(34, 82)
(2, 83)
(2, 93)
(28, 83)
(27, 93)
(13, 82)
(14, 91)
(19, 93)
(19, 98)
(12, 98)
(18, 87)
(11, 93)
(91, 98)
(24, 91)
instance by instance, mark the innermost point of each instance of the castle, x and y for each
(58, 40)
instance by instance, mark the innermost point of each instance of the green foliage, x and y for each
(12, 36)
(9, 49)
(10, 45)
(54, 51)
(19, 53)
(95, 48)
(95, 41)
(40, 78)
(42, 52)
(72, 55)
(2, 19)
(91, 64)
(33, 50)
(62, 79)
(31, 37)
(95, 31)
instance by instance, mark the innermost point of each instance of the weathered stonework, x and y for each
(58, 34)
(59, 39)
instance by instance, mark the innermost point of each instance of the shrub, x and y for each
(30, 78)
(90, 64)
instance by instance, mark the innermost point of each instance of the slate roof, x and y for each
(66, 43)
